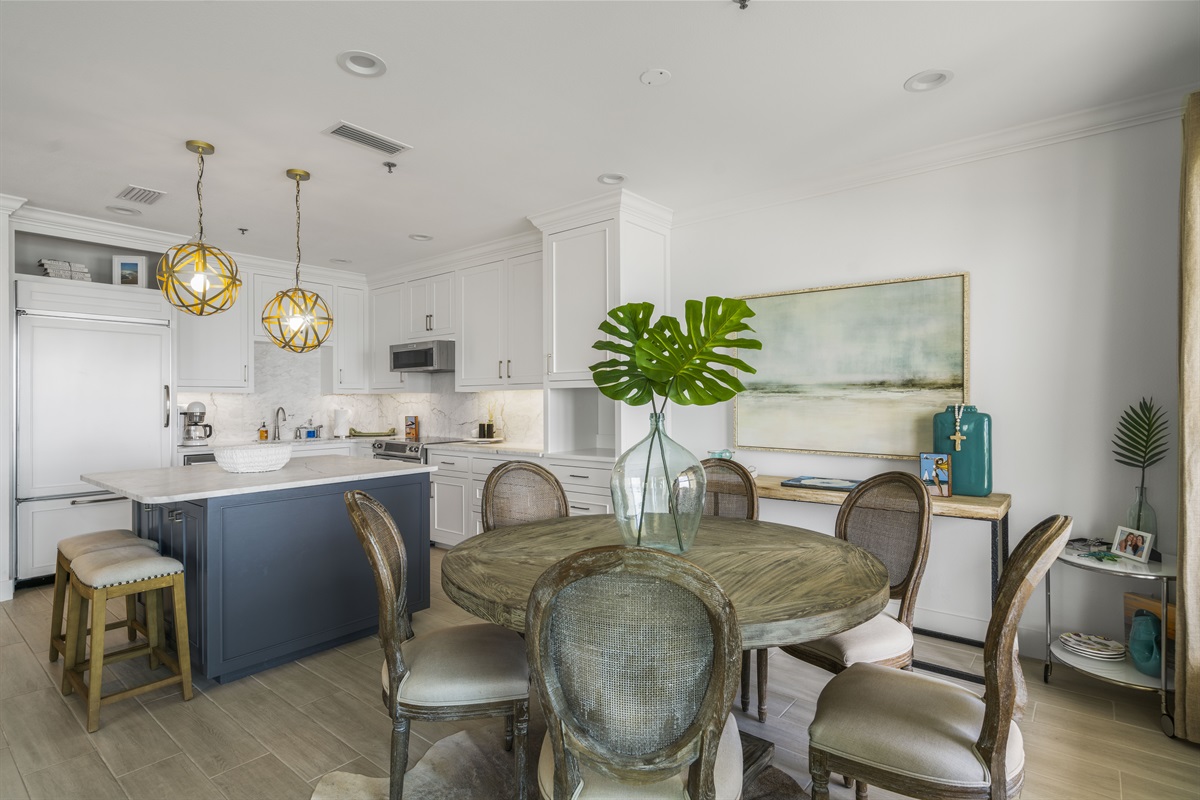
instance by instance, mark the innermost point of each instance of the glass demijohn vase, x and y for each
(1141, 516)
(658, 492)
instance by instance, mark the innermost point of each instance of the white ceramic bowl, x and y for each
(254, 457)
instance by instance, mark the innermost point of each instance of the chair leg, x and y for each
(818, 767)
(71, 648)
(61, 581)
(761, 656)
(847, 781)
(183, 648)
(95, 681)
(745, 680)
(131, 615)
(521, 747)
(399, 757)
(154, 624)
(860, 790)
(508, 732)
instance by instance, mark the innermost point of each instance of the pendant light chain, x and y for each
(200, 195)
(297, 231)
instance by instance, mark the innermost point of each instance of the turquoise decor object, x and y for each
(966, 435)
(1144, 643)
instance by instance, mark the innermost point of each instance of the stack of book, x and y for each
(64, 269)
(1090, 645)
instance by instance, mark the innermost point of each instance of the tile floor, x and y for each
(274, 734)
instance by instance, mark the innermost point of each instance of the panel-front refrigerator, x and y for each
(93, 395)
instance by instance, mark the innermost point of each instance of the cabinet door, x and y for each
(42, 524)
(350, 340)
(388, 327)
(267, 286)
(449, 514)
(481, 348)
(576, 270)
(441, 304)
(417, 303)
(523, 362)
(214, 351)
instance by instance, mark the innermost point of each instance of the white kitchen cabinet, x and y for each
(266, 286)
(500, 337)
(389, 326)
(576, 275)
(43, 524)
(449, 514)
(215, 352)
(344, 356)
(430, 306)
(333, 448)
(586, 484)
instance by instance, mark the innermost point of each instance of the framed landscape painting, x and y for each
(856, 370)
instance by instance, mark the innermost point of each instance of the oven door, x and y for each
(198, 458)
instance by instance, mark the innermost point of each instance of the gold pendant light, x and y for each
(297, 319)
(196, 277)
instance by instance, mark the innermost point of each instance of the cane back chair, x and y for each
(634, 654)
(517, 492)
(924, 737)
(462, 672)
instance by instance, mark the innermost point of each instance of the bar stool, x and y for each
(123, 572)
(72, 548)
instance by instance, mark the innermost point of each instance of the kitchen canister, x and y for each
(965, 434)
(1144, 643)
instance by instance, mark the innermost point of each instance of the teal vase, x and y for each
(658, 492)
(971, 464)
(1145, 640)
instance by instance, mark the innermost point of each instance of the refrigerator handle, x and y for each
(166, 405)
(101, 500)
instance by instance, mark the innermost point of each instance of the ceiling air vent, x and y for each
(140, 194)
(364, 137)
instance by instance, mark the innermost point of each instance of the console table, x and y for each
(992, 509)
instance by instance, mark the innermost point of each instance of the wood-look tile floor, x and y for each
(274, 734)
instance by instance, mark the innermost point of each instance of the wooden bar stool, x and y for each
(123, 572)
(72, 548)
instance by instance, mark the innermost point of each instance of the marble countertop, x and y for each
(172, 484)
(213, 443)
(506, 449)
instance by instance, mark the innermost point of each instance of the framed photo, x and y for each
(855, 370)
(1132, 544)
(129, 271)
(935, 474)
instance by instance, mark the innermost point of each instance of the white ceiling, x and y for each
(514, 108)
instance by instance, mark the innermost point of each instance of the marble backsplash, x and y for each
(293, 381)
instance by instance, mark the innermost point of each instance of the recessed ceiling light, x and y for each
(340, 261)
(420, 237)
(123, 211)
(928, 80)
(655, 77)
(362, 63)
(611, 178)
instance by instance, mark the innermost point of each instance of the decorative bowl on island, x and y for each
(254, 457)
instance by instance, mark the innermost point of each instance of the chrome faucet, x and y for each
(278, 413)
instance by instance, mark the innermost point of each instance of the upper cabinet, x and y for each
(577, 298)
(500, 341)
(215, 351)
(389, 326)
(430, 306)
(344, 355)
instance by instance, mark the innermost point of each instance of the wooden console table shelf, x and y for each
(993, 509)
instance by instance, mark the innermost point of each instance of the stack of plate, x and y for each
(1092, 646)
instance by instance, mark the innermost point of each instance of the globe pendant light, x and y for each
(195, 277)
(297, 319)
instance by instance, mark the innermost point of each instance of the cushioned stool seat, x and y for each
(101, 575)
(68, 550)
(879, 639)
(465, 663)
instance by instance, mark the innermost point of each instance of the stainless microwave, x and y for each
(434, 356)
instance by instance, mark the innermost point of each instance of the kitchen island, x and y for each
(273, 569)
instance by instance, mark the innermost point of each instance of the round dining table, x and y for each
(787, 585)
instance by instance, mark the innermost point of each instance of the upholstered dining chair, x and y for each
(730, 491)
(517, 492)
(924, 737)
(634, 654)
(461, 672)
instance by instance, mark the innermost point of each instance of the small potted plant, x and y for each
(1141, 442)
(658, 485)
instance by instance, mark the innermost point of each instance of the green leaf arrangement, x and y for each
(1141, 438)
(666, 360)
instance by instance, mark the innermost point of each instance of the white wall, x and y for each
(1072, 255)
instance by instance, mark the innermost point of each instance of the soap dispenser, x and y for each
(262, 431)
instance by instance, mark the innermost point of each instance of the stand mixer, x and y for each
(195, 432)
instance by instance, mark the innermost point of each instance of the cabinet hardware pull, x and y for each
(510, 367)
(569, 475)
(448, 463)
(429, 322)
(341, 377)
(548, 357)
(581, 508)
(500, 369)
(245, 372)
(166, 406)
(176, 516)
(100, 500)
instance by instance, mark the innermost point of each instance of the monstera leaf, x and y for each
(666, 360)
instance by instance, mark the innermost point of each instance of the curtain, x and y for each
(1187, 643)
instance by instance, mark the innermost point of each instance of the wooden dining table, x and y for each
(787, 585)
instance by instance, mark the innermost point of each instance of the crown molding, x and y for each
(600, 208)
(509, 246)
(10, 203)
(1144, 110)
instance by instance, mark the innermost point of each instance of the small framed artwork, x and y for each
(935, 474)
(129, 271)
(1132, 544)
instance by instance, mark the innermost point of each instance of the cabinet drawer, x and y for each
(574, 474)
(582, 505)
(482, 467)
(452, 463)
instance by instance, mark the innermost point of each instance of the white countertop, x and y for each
(505, 449)
(210, 444)
(172, 484)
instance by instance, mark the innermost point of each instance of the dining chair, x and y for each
(517, 492)
(730, 491)
(922, 736)
(634, 654)
(456, 673)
